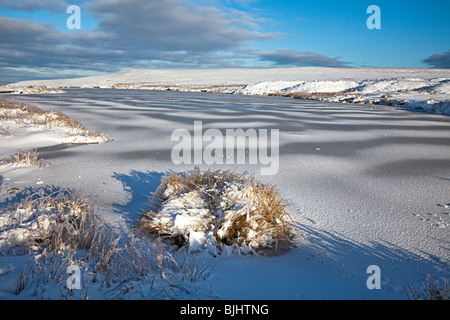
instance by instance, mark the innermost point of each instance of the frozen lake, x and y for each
(367, 185)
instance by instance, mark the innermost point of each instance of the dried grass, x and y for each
(57, 222)
(60, 229)
(26, 114)
(307, 95)
(241, 211)
(28, 158)
(431, 290)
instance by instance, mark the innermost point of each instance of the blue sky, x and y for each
(119, 34)
(410, 30)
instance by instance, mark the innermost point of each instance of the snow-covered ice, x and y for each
(366, 184)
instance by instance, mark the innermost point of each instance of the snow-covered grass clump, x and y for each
(25, 115)
(52, 233)
(220, 212)
(27, 158)
(57, 222)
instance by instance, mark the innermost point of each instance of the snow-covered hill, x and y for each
(427, 89)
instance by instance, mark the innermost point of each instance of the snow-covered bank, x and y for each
(424, 89)
(430, 95)
(28, 90)
(25, 126)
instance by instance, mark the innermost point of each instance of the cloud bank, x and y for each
(439, 60)
(141, 34)
(286, 57)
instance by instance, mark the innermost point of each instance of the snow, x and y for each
(322, 86)
(424, 89)
(432, 95)
(26, 138)
(23, 131)
(367, 184)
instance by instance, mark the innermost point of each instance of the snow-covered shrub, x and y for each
(217, 211)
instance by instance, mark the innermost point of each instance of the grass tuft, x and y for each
(431, 290)
(26, 114)
(28, 158)
(220, 209)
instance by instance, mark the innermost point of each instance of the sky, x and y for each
(36, 42)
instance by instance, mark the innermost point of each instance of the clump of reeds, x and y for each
(28, 158)
(431, 290)
(230, 209)
(60, 229)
